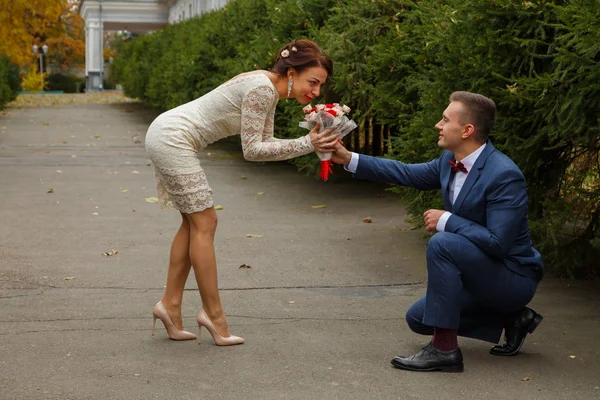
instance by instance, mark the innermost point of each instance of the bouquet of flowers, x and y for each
(328, 116)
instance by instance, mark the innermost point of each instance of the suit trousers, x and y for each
(467, 290)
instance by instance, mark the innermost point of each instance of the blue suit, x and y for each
(483, 266)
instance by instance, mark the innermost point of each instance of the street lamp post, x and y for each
(41, 55)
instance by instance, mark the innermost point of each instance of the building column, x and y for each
(94, 62)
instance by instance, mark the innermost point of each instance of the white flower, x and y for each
(307, 109)
(285, 53)
(346, 109)
(294, 48)
(321, 107)
(311, 117)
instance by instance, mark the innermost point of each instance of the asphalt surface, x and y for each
(321, 308)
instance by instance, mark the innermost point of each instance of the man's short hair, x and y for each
(480, 111)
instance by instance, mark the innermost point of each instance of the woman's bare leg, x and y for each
(179, 270)
(203, 226)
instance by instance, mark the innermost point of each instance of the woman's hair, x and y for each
(300, 55)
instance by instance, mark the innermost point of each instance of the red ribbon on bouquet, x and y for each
(326, 169)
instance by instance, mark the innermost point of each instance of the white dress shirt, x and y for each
(455, 185)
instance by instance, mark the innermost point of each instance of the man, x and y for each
(482, 269)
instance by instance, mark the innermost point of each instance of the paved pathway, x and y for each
(321, 307)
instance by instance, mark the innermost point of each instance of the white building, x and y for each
(180, 10)
(133, 16)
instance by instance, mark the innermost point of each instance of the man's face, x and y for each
(450, 129)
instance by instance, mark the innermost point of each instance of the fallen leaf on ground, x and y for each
(151, 200)
(64, 142)
(125, 190)
(252, 235)
(242, 177)
(59, 171)
(50, 190)
(46, 123)
(218, 207)
(135, 172)
(367, 220)
(112, 252)
(260, 193)
(97, 136)
(245, 266)
(393, 228)
(320, 206)
(291, 302)
(69, 278)
(95, 214)
(527, 378)
(572, 356)
(91, 145)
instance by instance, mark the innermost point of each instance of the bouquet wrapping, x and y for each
(332, 115)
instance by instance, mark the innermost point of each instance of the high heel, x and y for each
(204, 321)
(160, 312)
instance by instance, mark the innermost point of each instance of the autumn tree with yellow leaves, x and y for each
(56, 23)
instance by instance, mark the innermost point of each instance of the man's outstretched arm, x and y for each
(423, 176)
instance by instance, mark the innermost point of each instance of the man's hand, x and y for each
(341, 155)
(431, 218)
(322, 142)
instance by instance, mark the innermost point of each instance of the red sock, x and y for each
(510, 319)
(445, 339)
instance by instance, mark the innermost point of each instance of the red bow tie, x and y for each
(457, 166)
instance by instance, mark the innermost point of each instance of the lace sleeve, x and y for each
(258, 143)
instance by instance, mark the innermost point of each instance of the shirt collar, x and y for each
(469, 160)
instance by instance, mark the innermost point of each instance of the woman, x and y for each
(244, 105)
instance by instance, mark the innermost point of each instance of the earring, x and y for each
(290, 83)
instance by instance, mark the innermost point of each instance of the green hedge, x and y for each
(66, 82)
(9, 80)
(396, 62)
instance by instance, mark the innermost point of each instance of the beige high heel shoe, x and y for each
(160, 312)
(204, 321)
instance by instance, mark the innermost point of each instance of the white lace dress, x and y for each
(244, 105)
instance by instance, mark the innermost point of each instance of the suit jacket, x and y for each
(490, 210)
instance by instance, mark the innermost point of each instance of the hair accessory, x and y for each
(294, 48)
(285, 53)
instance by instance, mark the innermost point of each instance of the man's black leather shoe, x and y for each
(515, 334)
(431, 359)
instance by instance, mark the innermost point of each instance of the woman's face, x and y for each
(307, 84)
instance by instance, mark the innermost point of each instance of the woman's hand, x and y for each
(322, 142)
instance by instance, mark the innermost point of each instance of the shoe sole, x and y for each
(534, 324)
(444, 368)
